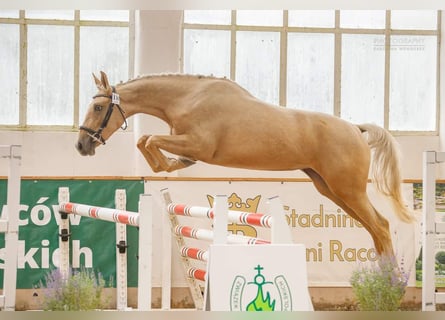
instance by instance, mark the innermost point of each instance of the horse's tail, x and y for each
(385, 167)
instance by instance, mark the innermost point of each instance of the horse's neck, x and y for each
(151, 95)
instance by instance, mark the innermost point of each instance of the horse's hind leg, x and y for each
(375, 223)
(362, 211)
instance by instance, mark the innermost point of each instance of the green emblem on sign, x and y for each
(260, 303)
(260, 294)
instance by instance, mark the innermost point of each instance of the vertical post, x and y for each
(12, 234)
(220, 211)
(64, 235)
(166, 263)
(145, 252)
(220, 219)
(121, 253)
(428, 234)
(280, 232)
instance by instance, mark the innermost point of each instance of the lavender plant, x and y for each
(379, 287)
(83, 290)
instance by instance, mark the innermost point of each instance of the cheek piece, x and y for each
(96, 135)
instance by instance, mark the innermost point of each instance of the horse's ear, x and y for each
(97, 81)
(104, 80)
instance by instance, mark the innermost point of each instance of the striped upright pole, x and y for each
(107, 214)
(240, 217)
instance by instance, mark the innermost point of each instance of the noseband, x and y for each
(115, 101)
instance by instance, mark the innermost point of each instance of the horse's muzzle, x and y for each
(85, 148)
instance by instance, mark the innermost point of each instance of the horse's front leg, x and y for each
(150, 148)
(154, 165)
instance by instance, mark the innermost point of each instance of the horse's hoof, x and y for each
(142, 141)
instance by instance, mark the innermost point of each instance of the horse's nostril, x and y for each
(79, 146)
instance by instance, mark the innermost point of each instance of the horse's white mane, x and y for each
(185, 75)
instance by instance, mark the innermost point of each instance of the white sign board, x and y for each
(257, 278)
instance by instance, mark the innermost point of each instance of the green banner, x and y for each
(93, 242)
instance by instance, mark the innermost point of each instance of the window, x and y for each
(48, 58)
(362, 65)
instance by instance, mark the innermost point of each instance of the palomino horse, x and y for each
(218, 122)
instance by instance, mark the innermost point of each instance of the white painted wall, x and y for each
(158, 46)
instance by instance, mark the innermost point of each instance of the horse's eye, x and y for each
(97, 108)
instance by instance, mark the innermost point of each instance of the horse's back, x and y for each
(243, 131)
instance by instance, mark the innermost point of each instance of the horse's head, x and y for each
(100, 120)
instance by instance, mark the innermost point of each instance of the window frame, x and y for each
(338, 32)
(77, 23)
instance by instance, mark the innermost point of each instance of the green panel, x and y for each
(93, 241)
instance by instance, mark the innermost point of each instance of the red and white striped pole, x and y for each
(240, 217)
(197, 273)
(207, 235)
(107, 214)
(195, 253)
